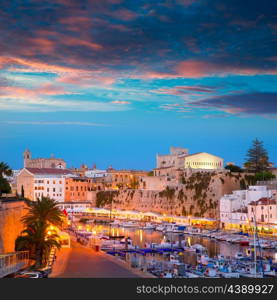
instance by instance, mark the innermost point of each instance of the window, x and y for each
(47, 181)
(54, 190)
(60, 182)
(54, 182)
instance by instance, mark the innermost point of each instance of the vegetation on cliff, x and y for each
(4, 185)
(105, 197)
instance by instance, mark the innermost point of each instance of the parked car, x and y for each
(28, 274)
(44, 272)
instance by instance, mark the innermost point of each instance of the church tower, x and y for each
(26, 157)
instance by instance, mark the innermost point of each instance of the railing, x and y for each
(13, 262)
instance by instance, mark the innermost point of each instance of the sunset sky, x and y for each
(114, 82)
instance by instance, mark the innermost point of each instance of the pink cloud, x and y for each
(185, 90)
(120, 102)
(15, 63)
(124, 14)
(71, 41)
(16, 92)
(86, 79)
(197, 68)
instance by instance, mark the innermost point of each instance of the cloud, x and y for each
(52, 123)
(185, 90)
(33, 103)
(197, 68)
(257, 103)
(120, 102)
(77, 45)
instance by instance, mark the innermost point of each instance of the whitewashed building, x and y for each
(263, 211)
(234, 207)
(95, 173)
(179, 158)
(39, 182)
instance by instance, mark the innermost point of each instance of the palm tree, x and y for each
(41, 214)
(37, 240)
(4, 184)
(5, 169)
(44, 210)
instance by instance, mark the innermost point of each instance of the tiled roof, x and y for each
(48, 171)
(264, 201)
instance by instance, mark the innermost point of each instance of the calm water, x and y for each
(141, 237)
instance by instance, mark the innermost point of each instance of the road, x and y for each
(82, 262)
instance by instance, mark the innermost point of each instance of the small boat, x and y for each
(149, 226)
(244, 243)
(199, 248)
(239, 255)
(211, 272)
(192, 275)
(229, 274)
(203, 259)
(267, 270)
(129, 224)
(160, 228)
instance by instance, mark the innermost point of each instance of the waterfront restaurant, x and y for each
(144, 216)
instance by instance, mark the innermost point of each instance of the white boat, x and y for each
(229, 274)
(174, 228)
(267, 270)
(199, 247)
(116, 223)
(189, 249)
(160, 228)
(239, 255)
(211, 272)
(129, 224)
(203, 259)
(149, 226)
(192, 275)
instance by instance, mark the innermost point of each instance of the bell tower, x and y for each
(27, 156)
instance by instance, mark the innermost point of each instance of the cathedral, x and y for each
(51, 162)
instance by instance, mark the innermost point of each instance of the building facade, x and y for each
(174, 159)
(46, 182)
(179, 158)
(263, 211)
(234, 208)
(77, 189)
(51, 162)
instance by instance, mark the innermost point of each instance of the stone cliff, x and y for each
(195, 195)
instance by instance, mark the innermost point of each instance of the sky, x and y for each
(114, 82)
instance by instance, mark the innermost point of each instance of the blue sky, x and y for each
(115, 82)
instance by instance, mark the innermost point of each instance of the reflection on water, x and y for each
(141, 237)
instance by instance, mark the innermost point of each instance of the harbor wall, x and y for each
(11, 213)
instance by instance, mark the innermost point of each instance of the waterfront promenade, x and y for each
(82, 262)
